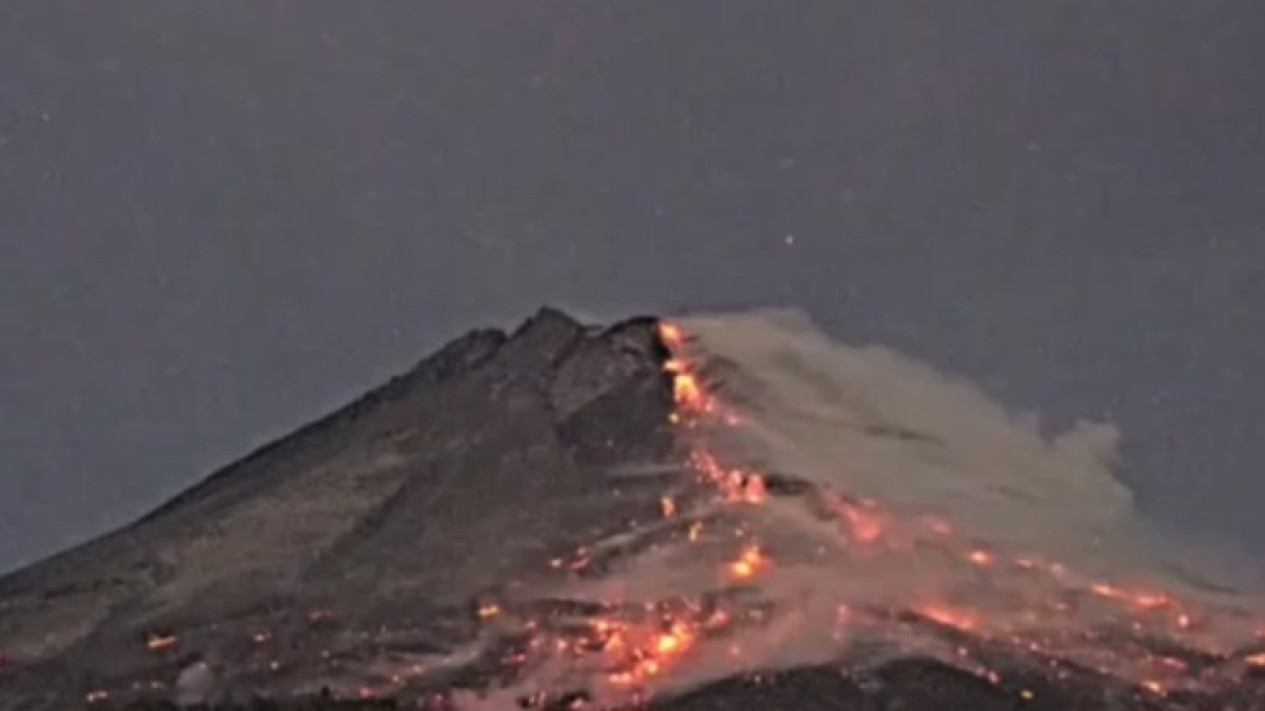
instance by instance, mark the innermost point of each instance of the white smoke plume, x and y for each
(924, 495)
(872, 423)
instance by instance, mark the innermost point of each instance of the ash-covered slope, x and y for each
(482, 463)
(561, 518)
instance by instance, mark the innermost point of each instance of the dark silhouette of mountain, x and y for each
(375, 541)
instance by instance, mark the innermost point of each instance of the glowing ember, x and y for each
(639, 653)
(158, 643)
(1154, 687)
(671, 335)
(751, 562)
(671, 642)
(982, 558)
(687, 392)
(754, 490)
(668, 506)
(922, 581)
(882, 533)
(949, 617)
(865, 523)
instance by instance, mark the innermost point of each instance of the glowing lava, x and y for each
(633, 646)
(1055, 627)
(751, 562)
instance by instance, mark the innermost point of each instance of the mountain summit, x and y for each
(451, 540)
(482, 463)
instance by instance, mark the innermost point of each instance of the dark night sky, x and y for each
(218, 220)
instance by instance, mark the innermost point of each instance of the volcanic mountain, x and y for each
(569, 516)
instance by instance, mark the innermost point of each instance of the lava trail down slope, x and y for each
(714, 513)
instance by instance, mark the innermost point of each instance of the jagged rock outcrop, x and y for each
(372, 541)
(473, 468)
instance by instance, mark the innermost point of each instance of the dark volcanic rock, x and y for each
(452, 480)
(375, 536)
(906, 685)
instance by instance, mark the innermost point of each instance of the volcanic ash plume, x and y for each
(871, 424)
(851, 504)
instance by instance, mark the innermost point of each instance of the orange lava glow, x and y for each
(867, 527)
(949, 617)
(637, 654)
(668, 505)
(751, 562)
(671, 335)
(687, 391)
(981, 558)
(158, 643)
(632, 645)
(867, 524)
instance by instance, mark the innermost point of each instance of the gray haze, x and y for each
(218, 220)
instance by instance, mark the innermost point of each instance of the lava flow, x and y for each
(766, 570)
(826, 506)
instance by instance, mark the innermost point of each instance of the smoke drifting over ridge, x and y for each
(873, 423)
(863, 506)
(878, 425)
(654, 515)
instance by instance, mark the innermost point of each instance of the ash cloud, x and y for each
(872, 423)
(1047, 548)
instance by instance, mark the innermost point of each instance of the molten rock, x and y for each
(546, 519)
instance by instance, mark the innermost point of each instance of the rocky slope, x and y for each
(482, 463)
(380, 552)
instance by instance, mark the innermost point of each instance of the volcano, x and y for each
(569, 516)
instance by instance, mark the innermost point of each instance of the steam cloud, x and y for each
(977, 521)
(872, 423)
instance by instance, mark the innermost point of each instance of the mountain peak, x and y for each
(486, 425)
(540, 518)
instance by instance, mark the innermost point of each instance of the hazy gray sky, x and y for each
(218, 220)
